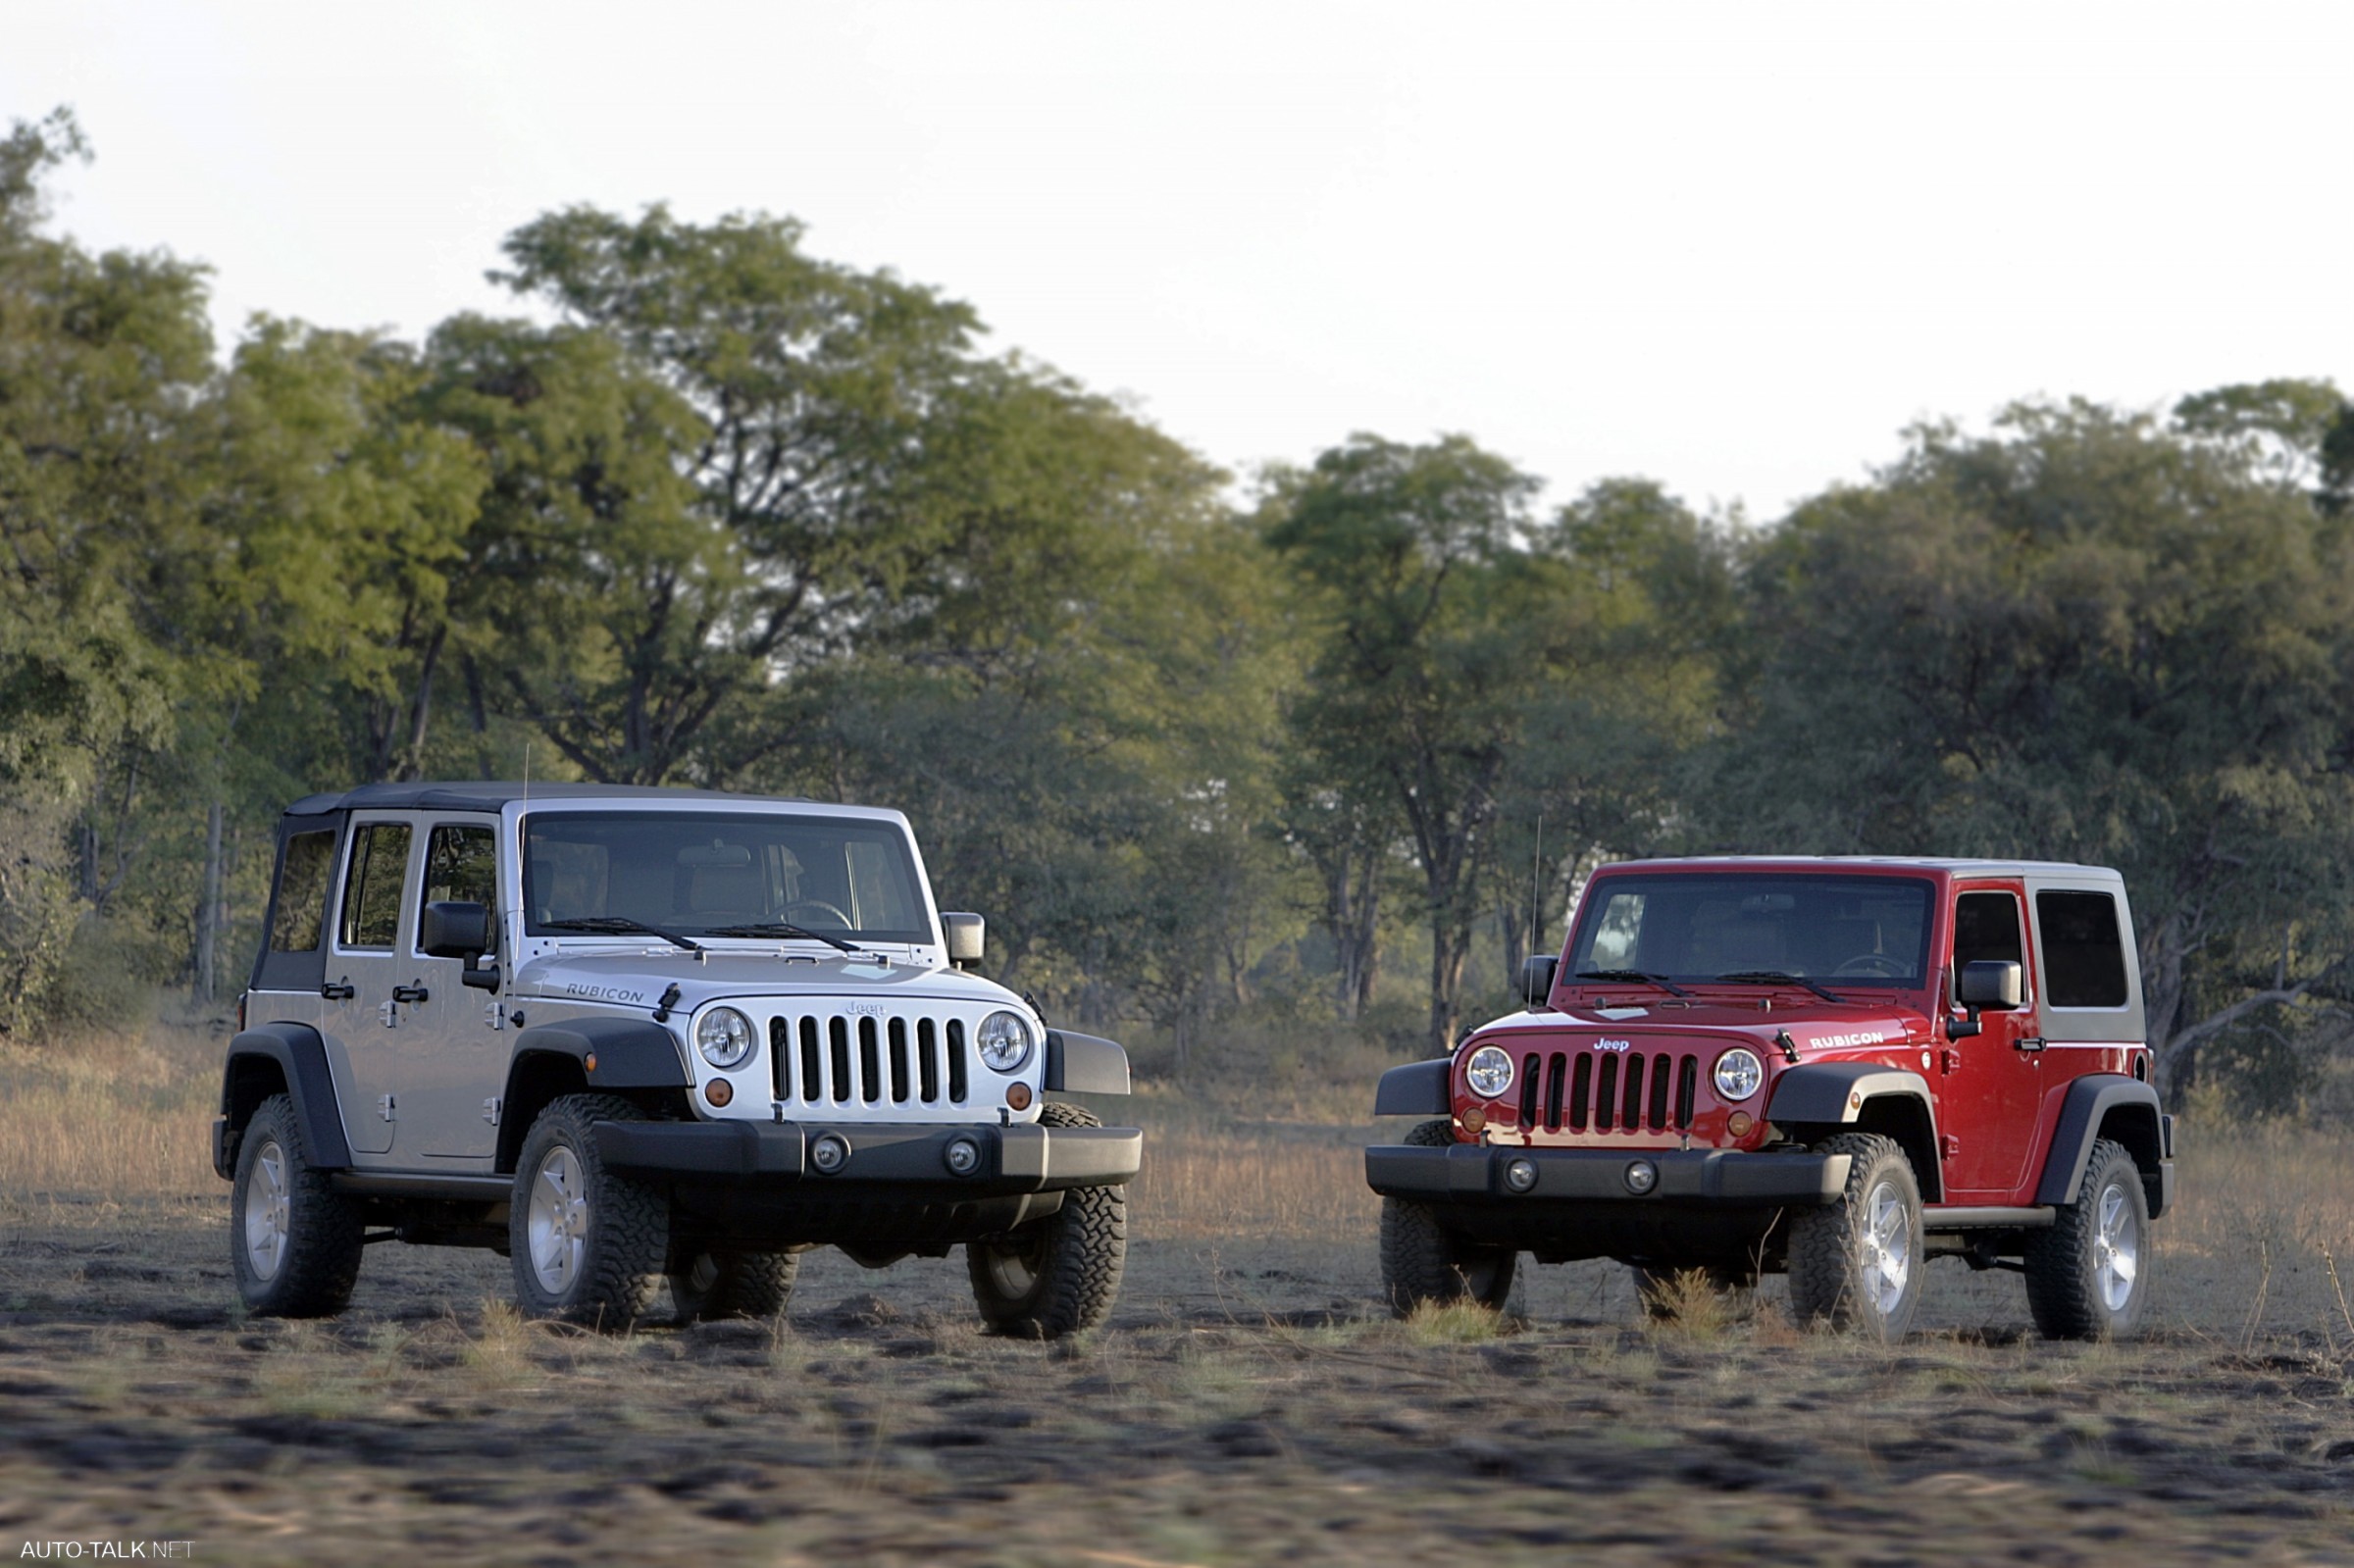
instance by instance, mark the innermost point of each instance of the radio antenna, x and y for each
(526, 773)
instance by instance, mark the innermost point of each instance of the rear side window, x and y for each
(380, 866)
(301, 908)
(2083, 955)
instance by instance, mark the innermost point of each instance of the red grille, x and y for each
(1628, 1092)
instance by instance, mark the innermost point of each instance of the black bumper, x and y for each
(887, 1160)
(1473, 1173)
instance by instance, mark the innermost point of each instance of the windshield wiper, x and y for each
(779, 928)
(1659, 980)
(617, 924)
(1775, 977)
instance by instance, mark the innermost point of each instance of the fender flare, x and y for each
(1085, 1064)
(2091, 1101)
(1842, 1094)
(626, 1053)
(300, 1057)
(1418, 1088)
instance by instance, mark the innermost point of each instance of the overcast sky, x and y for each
(1736, 249)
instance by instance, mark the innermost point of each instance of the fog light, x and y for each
(830, 1153)
(1520, 1175)
(1738, 1124)
(1475, 1119)
(719, 1091)
(964, 1156)
(1641, 1177)
(1017, 1095)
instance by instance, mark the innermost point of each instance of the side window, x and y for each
(301, 908)
(379, 864)
(1986, 928)
(2083, 957)
(461, 865)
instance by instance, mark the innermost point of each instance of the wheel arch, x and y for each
(2120, 1110)
(634, 1057)
(280, 1058)
(1813, 1101)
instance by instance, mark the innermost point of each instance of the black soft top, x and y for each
(490, 795)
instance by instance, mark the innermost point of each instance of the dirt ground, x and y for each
(1248, 1404)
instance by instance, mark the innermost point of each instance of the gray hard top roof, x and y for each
(1956, 866)
(493, 794)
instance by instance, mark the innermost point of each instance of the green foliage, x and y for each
(1473, 673)
(2079, 639)
(726, 513)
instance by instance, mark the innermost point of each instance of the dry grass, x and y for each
(2262, 1237)
(1251, 1401)
(93, 1123)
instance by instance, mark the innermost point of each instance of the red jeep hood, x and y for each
(1814, 1027)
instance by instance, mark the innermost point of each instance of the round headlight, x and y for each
(724, 1038)
(1003, 1042)
(1489, 1072)
(1738, 1074)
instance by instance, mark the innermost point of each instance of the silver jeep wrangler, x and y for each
(637, 1036)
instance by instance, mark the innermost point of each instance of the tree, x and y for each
(802, 398)
(1073, 695)
(101, 356)
(2081, 637)
(1431, 626)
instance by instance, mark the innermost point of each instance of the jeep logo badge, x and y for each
(1613, 1044)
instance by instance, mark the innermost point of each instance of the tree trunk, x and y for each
(208, 911)
(1352, 914)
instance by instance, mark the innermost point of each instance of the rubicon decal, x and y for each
(1870, 1036)
(605, 994)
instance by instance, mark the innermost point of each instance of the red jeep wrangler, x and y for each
(1837, 1068)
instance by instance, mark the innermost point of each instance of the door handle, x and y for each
(411, 993)
(2030, 1043)
(337, 990)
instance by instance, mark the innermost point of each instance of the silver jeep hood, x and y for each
(639, 977)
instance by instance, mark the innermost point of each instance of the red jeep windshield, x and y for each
(1865, 931)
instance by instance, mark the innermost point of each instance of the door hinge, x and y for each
(389, 1012)
(386, 1105)
(1951, 1144)
(494, 1015)
(1953, 1061)
(491, 1110)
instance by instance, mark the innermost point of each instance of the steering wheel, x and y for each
(796, 913)
(1877, 965)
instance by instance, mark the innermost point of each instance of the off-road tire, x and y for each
(707, 1286)
(601, 1263)
(1845, 1260)
(307, 1235)
(1424, 1262)
(2088, 1275)
(1060, 1275)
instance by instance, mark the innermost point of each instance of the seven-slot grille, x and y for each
(835, 1061)
(1602, 1091)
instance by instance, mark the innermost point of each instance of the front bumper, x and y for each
(1474, 1174)
(896, 1160)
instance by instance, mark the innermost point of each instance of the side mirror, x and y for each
(967, 936)
(454, 929)
(1536, 977)
(1995, 983)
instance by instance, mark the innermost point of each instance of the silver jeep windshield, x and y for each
(700, 874)
(1863, 930)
